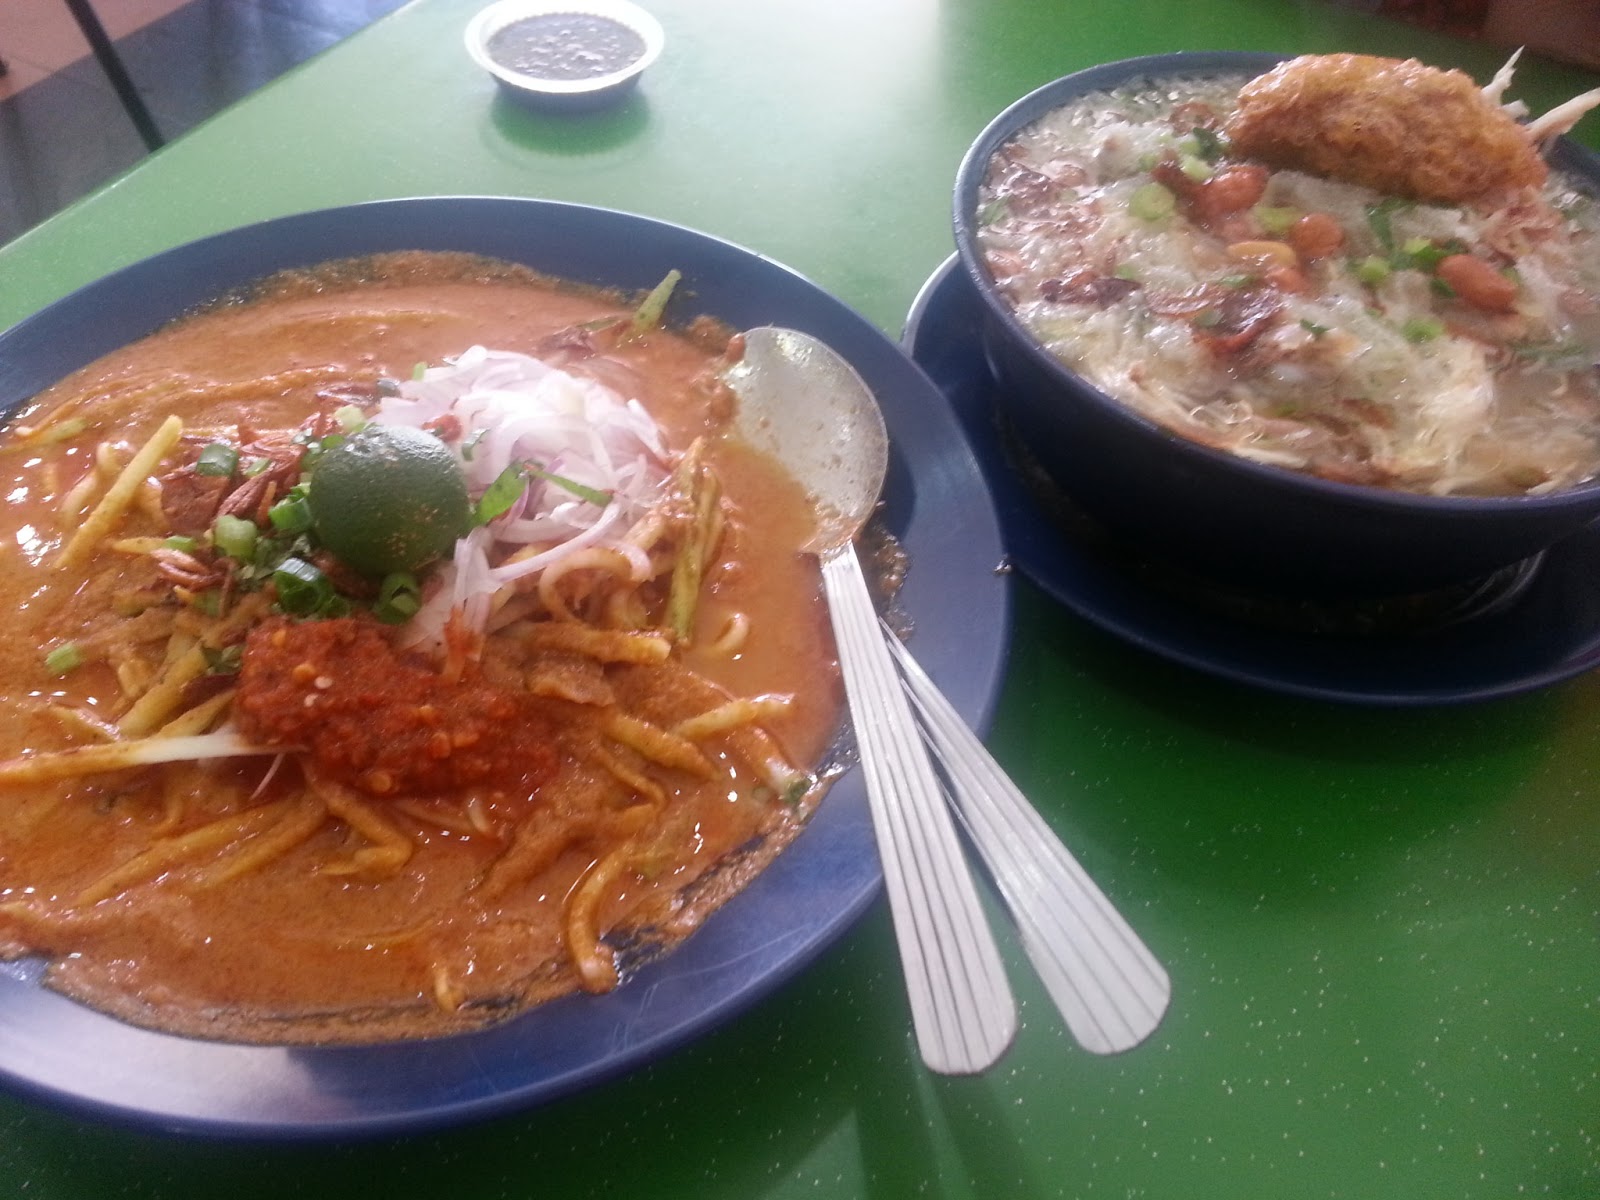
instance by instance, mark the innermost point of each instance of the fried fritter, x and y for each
(1399, 127)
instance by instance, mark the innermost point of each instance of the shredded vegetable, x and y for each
(63, 658)
(554, 464)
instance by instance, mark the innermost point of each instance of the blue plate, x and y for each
(1550, 632)
(56, 1050)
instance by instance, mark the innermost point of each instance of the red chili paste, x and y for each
(381, 724)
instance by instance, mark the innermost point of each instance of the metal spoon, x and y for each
(802, 403)
(1109, 988)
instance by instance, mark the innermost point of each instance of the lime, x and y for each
(387, 499)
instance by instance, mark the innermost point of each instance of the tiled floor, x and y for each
(63, 131)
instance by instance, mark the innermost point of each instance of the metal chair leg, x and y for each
(106, 54)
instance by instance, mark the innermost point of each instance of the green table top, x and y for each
(1381, 926)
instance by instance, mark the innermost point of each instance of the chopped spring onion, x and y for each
(1209, 143)
(292, 514)
(224, 661)
(61, 431)
(399, 598)
(1197, 169)
(1151, 202)
(235, 537)
(1424, 253)
(183, 542)
(469, 444)
(350, 418)
(1277, 219)
(648, 314)
(65, 657)
(1422, 329)
(303, 590)
(1379, 220)
(509, 485)
(219, 459)
(1372, 270)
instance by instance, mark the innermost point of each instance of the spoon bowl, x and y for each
(804, 405)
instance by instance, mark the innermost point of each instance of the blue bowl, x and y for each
(57, 1051)
(1208, 511)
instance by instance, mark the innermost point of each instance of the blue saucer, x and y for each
(1550, 631)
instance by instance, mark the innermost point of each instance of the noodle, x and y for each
(606, 645)
(173, 852)
(390, 848)
(734, 713)
(296, 827)
(197, 719)
(596, 968)
(658, 745)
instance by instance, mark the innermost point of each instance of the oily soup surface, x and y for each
(302, 938)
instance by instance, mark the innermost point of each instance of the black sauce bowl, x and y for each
(1204, 510)
(565, 95)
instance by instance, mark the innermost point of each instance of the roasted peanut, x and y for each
(1264, 253)
(1477, 283)
(1230, 190)
(1316, 235)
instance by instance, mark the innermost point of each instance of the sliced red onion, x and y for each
(513, 408)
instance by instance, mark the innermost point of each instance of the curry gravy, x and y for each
(294, 951)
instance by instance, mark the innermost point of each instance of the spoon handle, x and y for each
(961, 1005)
(1108, 985)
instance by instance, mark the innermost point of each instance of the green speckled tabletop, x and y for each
(1381, 926)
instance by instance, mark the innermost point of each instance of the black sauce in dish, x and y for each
(566, 46)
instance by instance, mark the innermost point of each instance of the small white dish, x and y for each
(571, 53)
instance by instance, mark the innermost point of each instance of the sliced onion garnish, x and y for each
(496, 408)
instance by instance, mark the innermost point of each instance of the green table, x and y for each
(1381, 926)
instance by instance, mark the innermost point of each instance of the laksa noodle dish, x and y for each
(391, 649)
(1349, 266)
